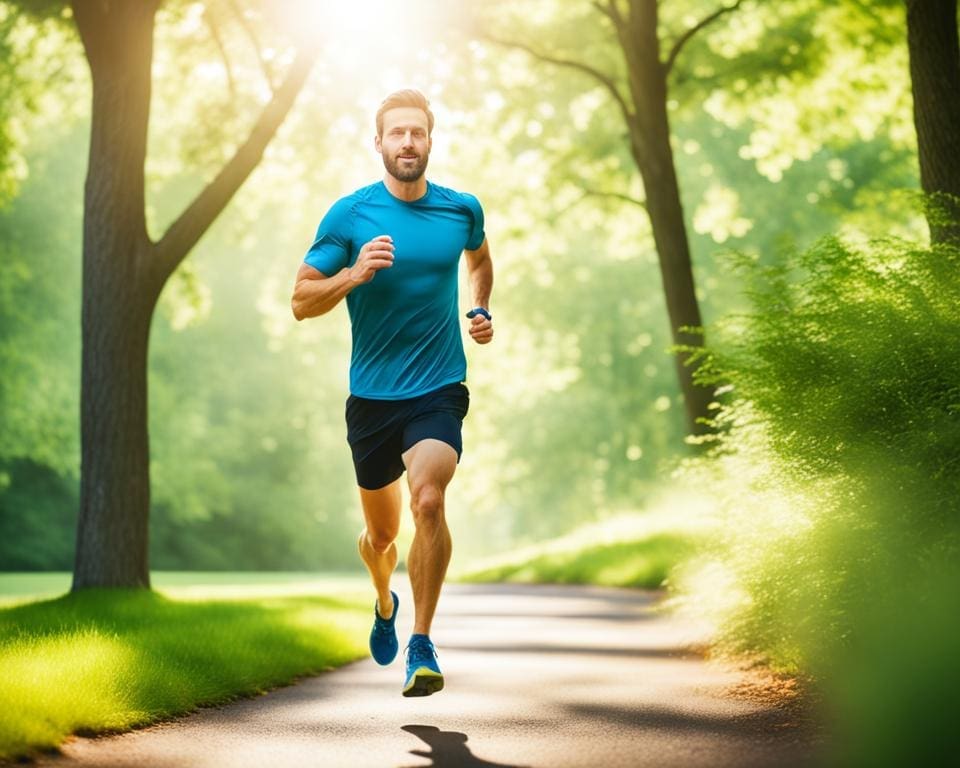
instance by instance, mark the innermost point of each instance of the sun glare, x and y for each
(359, 17)
(357, 25)
(365, 39)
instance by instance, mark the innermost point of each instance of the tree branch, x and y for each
(610, 10)
(622, 196)
(187, 230)
(596, 74)
(685, 37)
(587, 192)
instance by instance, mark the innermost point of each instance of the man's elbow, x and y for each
(303, 309)
(296, 306)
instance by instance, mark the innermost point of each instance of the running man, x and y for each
(393, 250)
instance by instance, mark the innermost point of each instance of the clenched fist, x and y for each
(481, 328)
(374, 256)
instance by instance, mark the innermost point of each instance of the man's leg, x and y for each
(430, 466)
(381, 510)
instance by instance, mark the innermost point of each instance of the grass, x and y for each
(639, 563)
(631, 550)
(110, 660)
(20, 587)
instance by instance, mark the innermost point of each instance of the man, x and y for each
(393, 250)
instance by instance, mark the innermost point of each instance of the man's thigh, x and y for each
(381, 508)
(438, 416)
(430, 462)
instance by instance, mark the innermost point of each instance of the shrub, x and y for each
(838, 476)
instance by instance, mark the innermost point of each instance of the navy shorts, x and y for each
(380, 431)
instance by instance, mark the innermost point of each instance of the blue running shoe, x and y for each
(383, 636)
(423, 674)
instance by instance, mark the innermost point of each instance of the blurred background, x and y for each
(788, 123)
(815, 525)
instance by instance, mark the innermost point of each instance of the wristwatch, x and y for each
(479, 311)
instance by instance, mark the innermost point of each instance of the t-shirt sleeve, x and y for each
(475, 240)
(331, 247)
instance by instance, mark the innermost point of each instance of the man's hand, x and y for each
(481, 329)
(374, 256)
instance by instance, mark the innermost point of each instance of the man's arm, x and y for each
(315, 294)
(480, 273)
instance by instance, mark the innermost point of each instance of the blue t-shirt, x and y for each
(406, 331)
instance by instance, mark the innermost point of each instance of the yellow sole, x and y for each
(424, 682)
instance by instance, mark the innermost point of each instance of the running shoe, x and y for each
(383, 637)
(423, 673)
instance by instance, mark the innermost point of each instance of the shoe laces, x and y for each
(420, 650)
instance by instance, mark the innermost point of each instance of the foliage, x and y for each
(39, 310)
(643, 564)
(236, 464)
(106, 660)
(629, 550)
(42, 538)
(35, 48)
(579, 408)
(837, 477)
(857, 356)
(838, 482)
(574, 410)
(233, 462)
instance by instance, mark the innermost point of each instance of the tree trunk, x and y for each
(650, 140)
(123, 274)
(673, 251)
(645, 114)
(118, 300)
(112, 531)
(932, 39)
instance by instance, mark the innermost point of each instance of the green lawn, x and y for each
(641, 563)
(105, 660)
(633, 550)
(18, 587)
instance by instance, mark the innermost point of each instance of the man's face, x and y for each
(405, 143)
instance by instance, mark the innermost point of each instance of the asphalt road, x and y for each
(535, 676)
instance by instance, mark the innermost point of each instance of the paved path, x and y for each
(536, 676)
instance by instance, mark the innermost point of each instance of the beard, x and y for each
(406, 171)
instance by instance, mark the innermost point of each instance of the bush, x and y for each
(838, 474)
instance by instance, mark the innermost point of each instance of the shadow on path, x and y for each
(779, 730)
(448, 749)
(663, 718)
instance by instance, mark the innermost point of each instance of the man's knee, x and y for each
(380, 539)
(426, 501)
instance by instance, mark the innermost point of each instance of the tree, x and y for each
(124, 272)
(643, 106)
(932, 39)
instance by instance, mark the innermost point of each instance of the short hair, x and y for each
(408, 97)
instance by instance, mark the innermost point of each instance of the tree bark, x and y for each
(123, 275)
(665, 210)
(932, 39)
(653, 154)
(114, 478)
